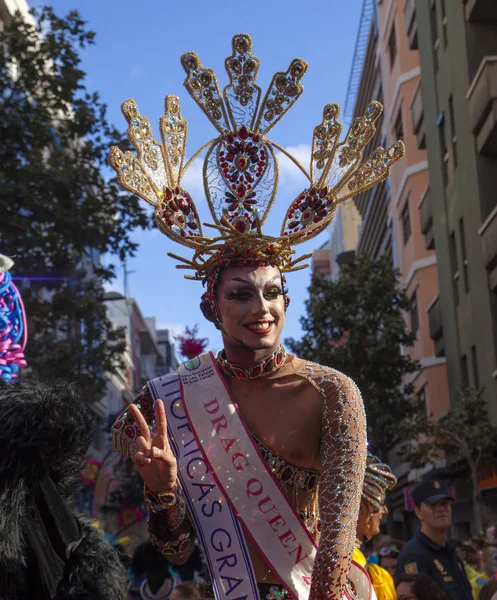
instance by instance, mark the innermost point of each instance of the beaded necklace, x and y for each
(259, 369)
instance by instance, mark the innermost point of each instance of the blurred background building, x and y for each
(113, 495)
(433, 65)
(385, 68)
(9, 7)
(458, 111)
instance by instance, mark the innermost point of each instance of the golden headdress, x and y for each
(378, 479)
(240, 169)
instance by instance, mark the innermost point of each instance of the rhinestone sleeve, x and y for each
(343, 456)
(171, 530)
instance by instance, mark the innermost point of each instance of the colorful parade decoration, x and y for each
(190, 345)
(13, 329)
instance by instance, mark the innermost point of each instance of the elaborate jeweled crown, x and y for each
(240, 170)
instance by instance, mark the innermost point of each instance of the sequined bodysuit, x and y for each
(309, 424)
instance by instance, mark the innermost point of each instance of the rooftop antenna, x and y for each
(126, 281)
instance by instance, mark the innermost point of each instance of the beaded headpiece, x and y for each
(240, 171)
(378, 479)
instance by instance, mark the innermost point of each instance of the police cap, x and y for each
(430, 492)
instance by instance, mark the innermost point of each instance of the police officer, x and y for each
(428, 552)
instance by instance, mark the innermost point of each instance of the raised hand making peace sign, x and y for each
(154, 459)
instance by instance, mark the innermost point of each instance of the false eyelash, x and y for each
(234, 294)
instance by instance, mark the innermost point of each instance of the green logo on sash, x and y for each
(192, 364)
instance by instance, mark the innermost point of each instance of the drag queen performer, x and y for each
(257, 453)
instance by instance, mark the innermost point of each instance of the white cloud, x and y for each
(193, 183)
(290, 174)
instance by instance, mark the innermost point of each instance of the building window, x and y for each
(406, 222)
(434, 33)
(399, 129)
(493, 308)
(392, 46)
(464, 257)
(444, 154)
(444, 23)
(421, 397)
(454, 267)
(453, 130)
(476, 374)
(414, 313)
(464, 372)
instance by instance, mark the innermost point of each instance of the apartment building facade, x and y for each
(458, 50)
(409, 186)
(390, 216)
(457, 44)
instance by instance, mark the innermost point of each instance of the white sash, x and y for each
(362, 582)
(223, 474)
(217, 528)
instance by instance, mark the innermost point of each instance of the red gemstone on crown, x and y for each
(243, 133)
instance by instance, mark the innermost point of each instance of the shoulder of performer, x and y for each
(125, 431)
(334, 386)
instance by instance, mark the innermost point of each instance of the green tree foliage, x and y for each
(465, 436)
(60, 211)
(357, 325)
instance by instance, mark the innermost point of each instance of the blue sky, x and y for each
(136, 55)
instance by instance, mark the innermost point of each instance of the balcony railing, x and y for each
(435, 320)
(480, 10)
(482, 102)
(417, 114)
(411, 24)
(488, 237)
(426, 218)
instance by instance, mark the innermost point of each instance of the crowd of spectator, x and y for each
(430, 566)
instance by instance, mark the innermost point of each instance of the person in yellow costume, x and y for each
(378, 479)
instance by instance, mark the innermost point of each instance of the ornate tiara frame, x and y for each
(240, 170)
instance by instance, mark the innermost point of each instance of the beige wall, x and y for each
(351, 222)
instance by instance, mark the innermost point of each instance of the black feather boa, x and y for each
(45, 430)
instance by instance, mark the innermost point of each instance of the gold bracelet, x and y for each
(160, 501)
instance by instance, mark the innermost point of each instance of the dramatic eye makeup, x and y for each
(246, 292)
(272, 292)
(238, 294)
